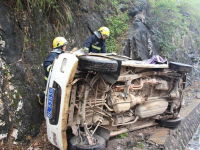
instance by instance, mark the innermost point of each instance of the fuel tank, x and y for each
(151, 108)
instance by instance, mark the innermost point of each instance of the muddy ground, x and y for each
(136, 140)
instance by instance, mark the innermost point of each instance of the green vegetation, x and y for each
(191, 8)
(7, 71)
(26, 40)
(169, 24)
(41, 43)
(58, 11)
(141, 145)
(60, 15)
(15, 102)
(122, 136)
(117, 25)
(171, 20)
(18, 6)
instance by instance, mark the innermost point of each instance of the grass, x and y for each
(122, 136)
(56, 10)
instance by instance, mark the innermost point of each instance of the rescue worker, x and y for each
(59, 47)
(96, 42)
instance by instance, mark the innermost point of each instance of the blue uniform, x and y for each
(49, 61)
(47, 66)
(95, 44)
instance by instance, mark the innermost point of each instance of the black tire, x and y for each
(97, 64)
(171, 123)
(180, 67)
(76, 145)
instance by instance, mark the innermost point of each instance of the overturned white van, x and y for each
(96, 96)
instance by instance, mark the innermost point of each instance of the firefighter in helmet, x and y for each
(96, 42)
(59, 47)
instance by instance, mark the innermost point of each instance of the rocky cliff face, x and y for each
(140, 43)
(26, 40)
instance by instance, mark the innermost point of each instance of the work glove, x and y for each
(85, 50)
(81, 52)
(74, 49)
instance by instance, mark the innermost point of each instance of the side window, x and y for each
(56, 104)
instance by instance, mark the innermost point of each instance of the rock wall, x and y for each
(19, 113)
(140, 43)
(26, 40)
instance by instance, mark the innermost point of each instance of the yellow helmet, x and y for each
(59, 42)
(104, 31)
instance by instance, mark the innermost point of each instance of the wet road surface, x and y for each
(194, 143)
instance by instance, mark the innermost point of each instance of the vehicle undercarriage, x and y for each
(94, 97)
(134, 100)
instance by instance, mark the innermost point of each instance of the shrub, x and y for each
(169, 24)
(122, 136)
(117, 25)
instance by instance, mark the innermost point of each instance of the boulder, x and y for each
(140, 43)
(11, 34)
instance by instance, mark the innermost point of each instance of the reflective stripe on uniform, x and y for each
(95, 47)
(39, 99)
(48, 68)
(45, 78)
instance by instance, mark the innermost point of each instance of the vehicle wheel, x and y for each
(180, 67)
(75, 143)
(171, 123)
(98, 64)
